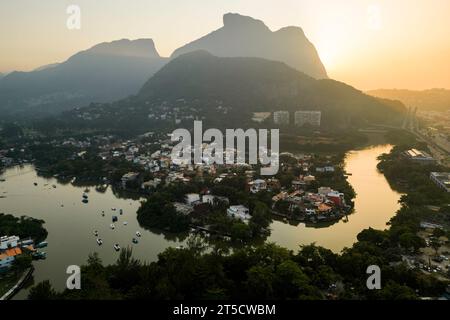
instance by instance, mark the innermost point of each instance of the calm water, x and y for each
(71, 226)
(375, 204)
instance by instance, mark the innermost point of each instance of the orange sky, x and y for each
(366, 43)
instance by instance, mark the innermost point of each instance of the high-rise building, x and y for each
(308, 117)
(281, 117)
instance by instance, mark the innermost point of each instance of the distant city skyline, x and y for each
(368, 44)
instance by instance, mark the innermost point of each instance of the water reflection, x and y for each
(375, 203)
(71, 223)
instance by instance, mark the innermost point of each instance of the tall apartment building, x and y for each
(308, 117)
(281, 117)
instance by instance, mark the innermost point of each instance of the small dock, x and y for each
(11, 292)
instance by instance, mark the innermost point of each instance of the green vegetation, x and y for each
(22, 227)
(158, 212)
(263, 272)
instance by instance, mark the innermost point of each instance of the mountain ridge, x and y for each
(105, 72)
(243, 36)
(437, 99)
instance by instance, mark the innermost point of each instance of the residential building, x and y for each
(9, 242)
(419, 156)
(128, 177)
(192, 198)
(308, 117)
(183, 208)
(257, 185)
(239, 212)
(441, 179)
(281, 117)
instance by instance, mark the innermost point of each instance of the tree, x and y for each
(435, 244)
(261, 218)
(22, 262)
(42, 291)
(260, 283)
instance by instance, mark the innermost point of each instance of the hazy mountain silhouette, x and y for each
(243, 36)
(255, 84)
(432, 99)
(105, 72)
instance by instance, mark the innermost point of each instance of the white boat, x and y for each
(113, 209)
(99, 241)
(116, 247)
(125, 223)
(96, 233)
(112, 226)
(138, 233)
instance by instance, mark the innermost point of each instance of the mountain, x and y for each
(243, 36)
(105, 72)
(47, 66)
(432, 99)
(245, 85)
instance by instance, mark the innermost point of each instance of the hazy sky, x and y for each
(366, 43)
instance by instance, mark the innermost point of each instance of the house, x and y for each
(9, 242)
(324, 190)
(212, 199)
(9, 249)
(337, 198)
(298, 184)
(128, 177)
(192, 198)
(325, 169)
(419, 156)
(257, 185)
(441, 179)
(183, 208)
(8, 256)
(151, 184)
(239, 212)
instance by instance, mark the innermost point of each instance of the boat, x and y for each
(85, 196)
(138, 233)
(96, 233)
(103, 214)
(116, 247)
(113, 209)
(112, 226)
(135, 240)
(125, 223)
(35, 184)
(85, 200)
(39, 255)
(114, 218)
(54, 186)
(99, 241)
(42, 244)
(27, 242)
(120, 211)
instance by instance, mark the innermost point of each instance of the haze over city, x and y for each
(368, 44)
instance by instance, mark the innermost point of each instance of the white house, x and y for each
(191, 198)
(257, 185)
(8, 242)
(239, 212)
